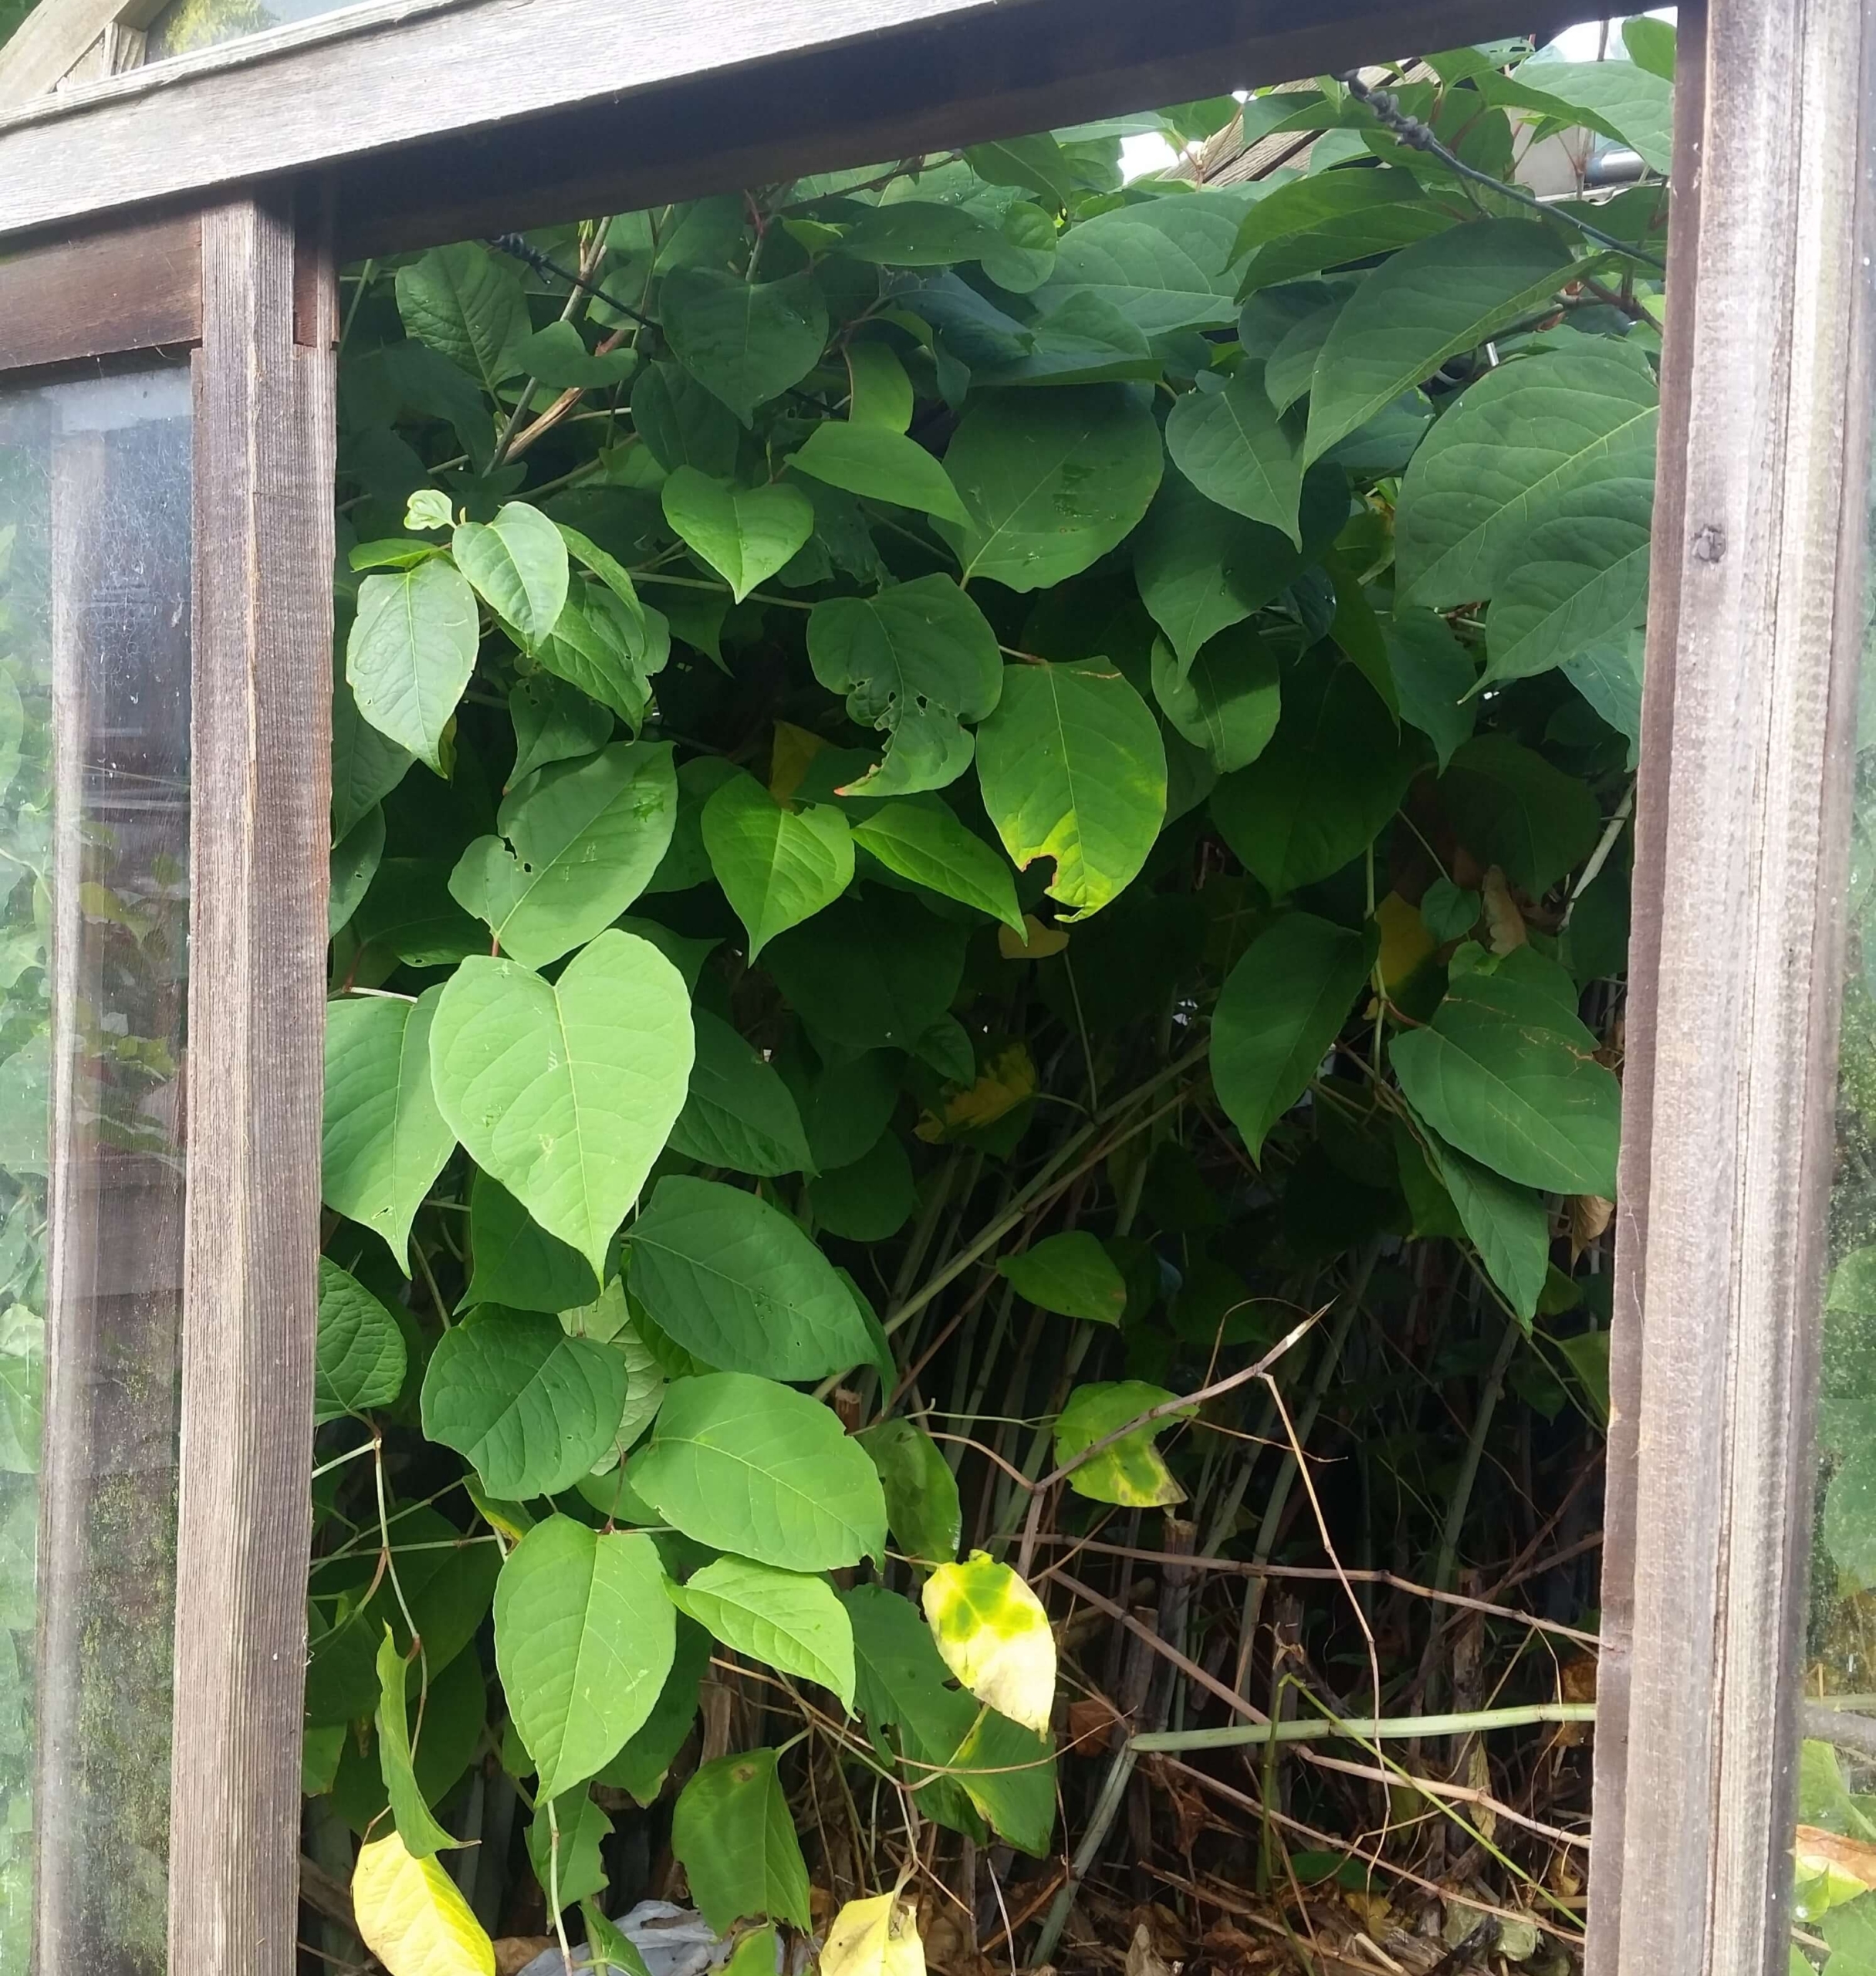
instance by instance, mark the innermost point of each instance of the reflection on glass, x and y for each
(95, 490)
(183, 25)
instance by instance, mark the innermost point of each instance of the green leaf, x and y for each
(650, 1751)
(1291, 364)
(922, 1509)
(1650, 44)
(1070, 1274)
(1005, 1771)
(1496, 463)
(516, 1262)
(1226, 700)
(879, 465)
(584, 1637)
(784, 1619)
(1507, 1074)
(777, 866)
(611, 1949)
(608, 649)
(1132, 1472)
(565, 1093)
(746, 1465)
(913, 660)
(739, 1113)
(1329, 218)
(1508, 1225)
(1512, 809)
(421, 1834)
(1072, 769)
(1052, 481)
(384, 1141)
(579, 1872)
(736, 1283)
(869, 1200)
(917, 233)
(683, 423)
(1282, 1007)
(558, 357)
(1609, 677)
(1319, 794)
(366, 765)
(518, 564)
(1233, 446)
(553, 722)
(408, 913)
(463, 302)
(1635, 102)
(874, 976)
(1582, 578)
(579, 842)
(881, 392)
(733, 1834)
(745, 534)
(361, 1360)
(932, 848)
(410, 652)
(747, 342)
(531, 1408)
(1433, 300)
(354, 863)
(1164, 266)
(1082, 340)
(1433, 678)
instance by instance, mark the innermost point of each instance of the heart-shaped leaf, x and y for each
(777, 866)
(410, 652)
(1233, 446)
(1071, 1274)
(739, 1114)
(744, 341)
(566, 1092)
(745, 534)
(518, 564)
(362, 1359)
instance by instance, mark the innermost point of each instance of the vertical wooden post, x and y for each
(261, 777)
(1754, 630)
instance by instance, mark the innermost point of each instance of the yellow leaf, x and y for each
(412, 1916)
(1405, 943)
(876, 1937)
(992, 1633)
(1037, 943)
(789, 754)
(1505, 929)
(1008, 1079)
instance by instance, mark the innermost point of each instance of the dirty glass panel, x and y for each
(183, 25)
(95, 490)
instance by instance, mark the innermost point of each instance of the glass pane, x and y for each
(95, 490)
(183, 25)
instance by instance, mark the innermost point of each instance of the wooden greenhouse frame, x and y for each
(203, 205)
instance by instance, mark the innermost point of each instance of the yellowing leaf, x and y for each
(1037, 943)
(789, 754)
(993, 1634)
(1405, 943)
(413, 1918)
(1505, 928)
(876, 1937)
(1008, 1079)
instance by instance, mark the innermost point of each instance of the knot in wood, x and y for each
(1710, 543)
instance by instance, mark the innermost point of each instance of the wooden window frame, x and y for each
(126, 223)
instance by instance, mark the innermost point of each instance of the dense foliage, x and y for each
(969, 802)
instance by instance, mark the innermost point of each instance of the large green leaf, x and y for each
(927, 843)
(584, 1637)
(384, 1140)
(531, 1408)
(1582, 578)
(922, 1508)
(880, 465)
(745, 341)
(566, 1092)
(732, 1831)
(649, 1751)
(756, 1468)
(361, 1362)
(1330, 219)
(1282, 1007)
(1072, 769)
(518, 564)
(1226, 700)
(736, 1283)
(579, 842)
(1507, 1074)
(869, 976)
(1164, 266)
(745, 534)
(739, 1113)
(1052, 480)
(1318, 795)
(683, 423)
(913, 660)
(463, 301)
(777, 866)
(1634, 102)
(786, 1620)
(515, 1261)
(1495, 463)
(411, 651)
(869, 1200)
(1433, 300)
(1511, 808)
(1233, 446)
